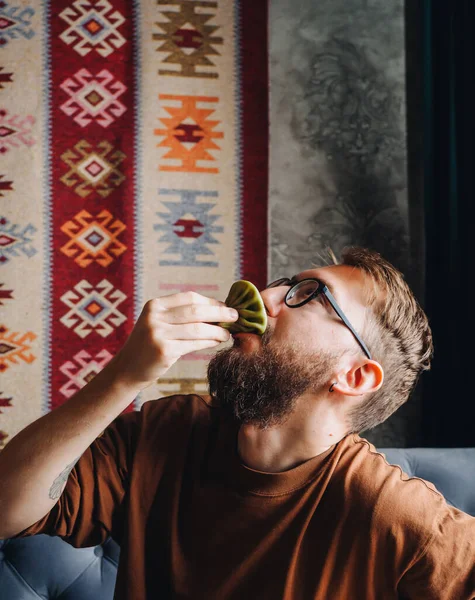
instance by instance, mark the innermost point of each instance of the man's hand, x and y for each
(170, 327)
(33, 470)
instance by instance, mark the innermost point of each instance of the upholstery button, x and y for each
(98, 551)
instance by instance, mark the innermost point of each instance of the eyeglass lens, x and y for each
(301, 292)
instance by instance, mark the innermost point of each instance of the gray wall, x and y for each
(338, 158)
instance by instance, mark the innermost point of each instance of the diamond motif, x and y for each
(14, 347)
(13, 241)
(6, 349)
(5, 78)
(5, 294)
(93, 309)
(92, 25)
(93, 167)
(188, 38)
(5, 186)
(5, 402)
(15, 131)
(93, 170)
(6, 240)
(6, 23)
(82, 369)
(93, 239)
(15, 22)
(189, 134)
(188, 228)
(93, 97)
(5, 131)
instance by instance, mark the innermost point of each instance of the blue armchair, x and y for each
(47, 567)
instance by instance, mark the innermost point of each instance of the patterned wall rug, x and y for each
(133, 164)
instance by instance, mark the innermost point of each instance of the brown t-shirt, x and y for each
(193, 522)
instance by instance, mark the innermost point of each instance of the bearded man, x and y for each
(264, 489)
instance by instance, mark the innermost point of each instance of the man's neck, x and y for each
(303, 436)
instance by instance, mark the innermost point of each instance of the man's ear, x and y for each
(360, 378)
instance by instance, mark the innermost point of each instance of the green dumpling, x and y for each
(246, 299)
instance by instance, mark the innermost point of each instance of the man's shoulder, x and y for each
(373, 463)
(387, 490)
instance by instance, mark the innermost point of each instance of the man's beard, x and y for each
(262, 387)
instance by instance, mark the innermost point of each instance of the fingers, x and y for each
(196, 313)
(170, 327)
(196, 331)
(183, 299)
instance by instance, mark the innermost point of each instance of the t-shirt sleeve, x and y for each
(91, 507)
(445, 569)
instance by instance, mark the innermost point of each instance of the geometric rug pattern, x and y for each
(133, 164)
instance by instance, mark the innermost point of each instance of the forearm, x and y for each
(35, 464)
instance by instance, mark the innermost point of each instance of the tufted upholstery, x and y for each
(451, 470)
(47, 567)
(43, 567)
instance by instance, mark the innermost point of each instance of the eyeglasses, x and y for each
(304, 291)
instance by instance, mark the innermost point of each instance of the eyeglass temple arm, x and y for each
(338, 311)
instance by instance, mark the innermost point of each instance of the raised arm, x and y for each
(36, 463)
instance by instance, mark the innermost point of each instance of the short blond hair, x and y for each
(397, 333)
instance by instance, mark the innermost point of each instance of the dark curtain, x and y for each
(444, 97)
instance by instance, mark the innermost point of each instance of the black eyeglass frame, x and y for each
(321, 289)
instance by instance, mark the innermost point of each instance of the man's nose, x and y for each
(274, 299)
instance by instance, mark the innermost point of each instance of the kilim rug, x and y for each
(133, 164)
